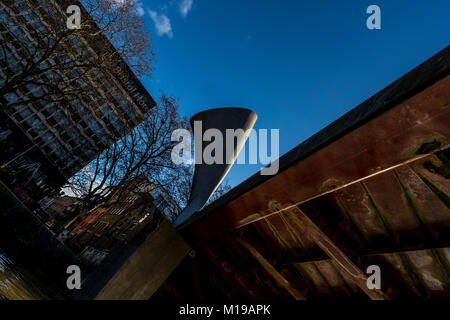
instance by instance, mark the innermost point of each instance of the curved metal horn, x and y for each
(207, 177)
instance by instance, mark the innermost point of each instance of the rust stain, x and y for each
(389, 180)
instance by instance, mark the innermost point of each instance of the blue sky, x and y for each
(298, 64)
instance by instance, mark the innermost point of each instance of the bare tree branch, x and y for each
(46, 53)
(144, 151)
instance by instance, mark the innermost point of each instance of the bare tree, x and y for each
(46, 61)
(144, 151)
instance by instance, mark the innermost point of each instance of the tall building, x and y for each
(43, 144)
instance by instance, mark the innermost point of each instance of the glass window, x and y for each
(25, 113)
(10, 97)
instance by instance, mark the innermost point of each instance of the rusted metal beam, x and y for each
(393, 138)
(276, 276)
(397, 128)
(339, 258)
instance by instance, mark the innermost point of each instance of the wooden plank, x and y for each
(147, 269)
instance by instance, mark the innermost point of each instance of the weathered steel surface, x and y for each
(341, 261)
(376, 192)
(416, 273)
(375, 221)
(390, 139)
(277, 276)
(393, 138)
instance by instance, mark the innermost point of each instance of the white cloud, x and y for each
(185, 6)
(139, 9)
(162, 23)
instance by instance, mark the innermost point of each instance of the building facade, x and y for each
(56, 211)
(44, 143)
(128, 217)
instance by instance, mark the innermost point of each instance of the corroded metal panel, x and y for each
(376, 192)
(391, 203)
(393, 139)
